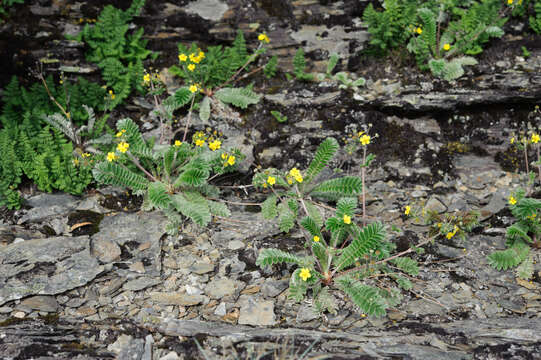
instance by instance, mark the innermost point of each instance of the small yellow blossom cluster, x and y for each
(193, 88)
(346, 219)
(522, 139)
(294, 174)
(111, 156)
(123, 147)
(316, 238)
(111, 94)
(120, 133)
(263, 38)
(512, 200)
(446, 47)
(177, 143)
(229, 160)
(364, 138)
(450, 234)
(194, 59)
(148, 78)
(270, 181)
(304, 274)
(215, 145)
(407, 210)
(200, 138)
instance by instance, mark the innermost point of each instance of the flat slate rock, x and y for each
(45, 267)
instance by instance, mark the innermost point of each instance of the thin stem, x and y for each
(189, 119)
(235, 203)
(136, 162)
(363, 173)
(232, 78)
(538, 162)
(302, 200)
(526, 156)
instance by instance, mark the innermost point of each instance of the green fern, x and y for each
(218, 209)
(297, 287)
(193, 206)
(270, 69)
(286, 217)
(346, 206)
(324, 154)
(299, 66)
(535, 21)
(368, 239)
(268, 208)
(334, 189)
(311, 226)
(367, 298)
(269, 257)
(113, 174)
(407, 265)
(525, 270)
(505, 259)
(158, 196)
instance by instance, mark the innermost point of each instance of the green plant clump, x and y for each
(520, 237)
(355, 260)
(294, 191)
(535, 21)
(40, 152)
(117, 53)
(5, 4)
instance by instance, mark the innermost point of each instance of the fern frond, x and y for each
(314, 213)
(346, 206)
(239, 97)
(297, 287)
(518, 230)
(182, 97)
(192, 205)
(218, 208)
(526, 207)
(325, 301)
(158, 196)
(133, 136)
(270, 69)
(505, 259)
(268, 208)
(407, 265)
(286, 217)
(334, 189)
(367, 298)
(324, 153)
(320, 251)
(403, 282)
(370, 237)
(269, 257)
(113, 174)
(192, 176)
(525, 269)
(312, 227)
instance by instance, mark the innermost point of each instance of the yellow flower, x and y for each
(231, 160)
(146, 78)
(305, 274)
(512, 141)
(296, 174)
(407, 210)
(224, 156)
(263, 37)
(191, 67)
(201, 55)
(112, 94)
(178, 143)
(365, 140)
(419, 30)
(85, 155)
(215, 145)
(120, 133)
(193, 88)
(200, 142)
(182, 57)
(347, 219)
(509, 2)
(76, 161)
(452, 233)
(446, 47)
(289, 181)
(535, 138)
(271, 180)
(111, 156)
(316, 238)
(512, 200)
(123, 147)
(68, 115)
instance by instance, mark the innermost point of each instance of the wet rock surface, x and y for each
(125, 290)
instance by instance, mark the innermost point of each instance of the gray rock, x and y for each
(435, 204)
(220, 287)
(212, 10)
(306, 313)
(41, 303)
(170, 356)
(144, 229)
(201, 268)
(272, 288)
(141, 283)
(112, 286)
(48, 205)
(106, 251)
(50, 266)
(5, 310)
(256, 312)
(147, 355)
(182, 299)
(497, 202)
(220, 310)
(235, 245)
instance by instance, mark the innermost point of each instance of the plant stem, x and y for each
(189, 119)
(363, 172)
(235, 203)
(526, 157)
(136, 162)
(538, 163)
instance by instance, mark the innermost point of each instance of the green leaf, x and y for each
(158, 195)
(133, 136)
(113, 174)
(407, 265)
(518, 230)
(403, 282)
(320, 251)
(334, 189)
(325, 301)
(183, 96)
(333, 60)
(324, 153)
(526, 207)
(367, 298)
(239, 97)
(525, 269)
(193, 176)
(311, 226)
(370, 237)
(204, 109)
(346, 206)
(268, 208)
(286, 217)
(505, 259)
(218, 208)
(314, 213)
(193, 206)
(269, 257)
(297, 287)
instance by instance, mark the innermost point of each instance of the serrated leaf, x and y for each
(158, 195)
(268, 208)
(193, 206)
(314, 213)
(525, 269)
(268, 257)
(370, 237)
(334, 189)
(183, 96)
(113, 174)
(367, 298)
(219, 209)
(324, 154)
(407, 265)
(239, 97)
(505, 259)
